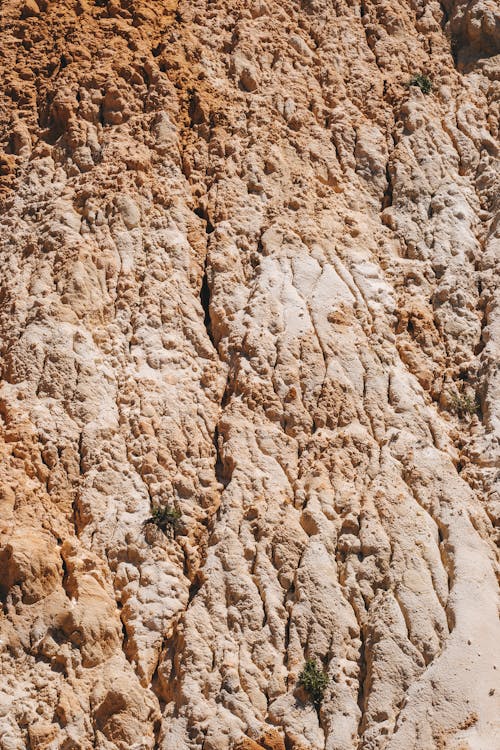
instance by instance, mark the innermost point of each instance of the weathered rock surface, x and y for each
(249, 273)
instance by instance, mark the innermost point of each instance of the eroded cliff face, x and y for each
(249, 273)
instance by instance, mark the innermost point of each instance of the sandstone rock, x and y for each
(30, 564)
(249, 395)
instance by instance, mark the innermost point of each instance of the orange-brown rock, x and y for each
(270, 740)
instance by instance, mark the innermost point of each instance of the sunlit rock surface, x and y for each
(249, 273)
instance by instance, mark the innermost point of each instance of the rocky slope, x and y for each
(249, 274)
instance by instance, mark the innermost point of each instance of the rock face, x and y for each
(248, 276)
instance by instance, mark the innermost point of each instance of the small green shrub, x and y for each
(423, 82)
(463, 405)
(314, 681)
(165, 518)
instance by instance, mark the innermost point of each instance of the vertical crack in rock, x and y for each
(387, 199)
(221, 473)
(362, 680)
(205, 303)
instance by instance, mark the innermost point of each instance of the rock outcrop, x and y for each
(250, 396)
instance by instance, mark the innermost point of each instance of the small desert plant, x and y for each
(165, 518)
(314, 681)
(462, 404)
(423, 83)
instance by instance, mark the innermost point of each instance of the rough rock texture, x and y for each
(249, 273)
